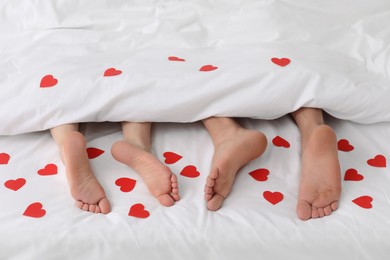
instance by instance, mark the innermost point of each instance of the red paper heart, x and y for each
(35, 210)
(282, 62)
(377, 161)
(171, 157)
(94, 152)
(49, 169)
(208, 68)
(273, 197)
(125, 184)
(260, 174)
(353, 175)
(48, 81)
(280, 142)
(4, 158)
(190, 171)
(15, 184)
(138, 211)
(174, 58)
(364, 202)
(344, 145)
(112, 72)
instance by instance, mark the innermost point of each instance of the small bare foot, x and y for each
(159, 179)
(232, 153)
(320, 186)
(84, 186)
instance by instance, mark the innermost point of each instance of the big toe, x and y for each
(104, 206)
(215, 203)
(166, 200)
(304, 210)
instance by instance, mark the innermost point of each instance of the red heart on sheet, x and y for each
(48, 81)
(112, 72)
(280, 142)
(171, 157)
(353, 175)
(282, 62)
(35, 210)
(260, 174)
(174, 58)
(49, 169)
(364, 202)
(138, 211)
(378, 161)
(208, 68)
(190, 171)
(273, 197)
(15, 184)
(93, 152)
(4, 158)
(344, 145)
(125, 184)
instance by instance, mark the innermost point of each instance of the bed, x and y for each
(175, 63)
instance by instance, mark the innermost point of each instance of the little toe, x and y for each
(304, 210)
(215, 203)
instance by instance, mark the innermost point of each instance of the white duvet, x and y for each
(182, 61)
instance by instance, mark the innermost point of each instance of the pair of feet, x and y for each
(318, 195)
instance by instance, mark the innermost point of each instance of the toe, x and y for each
(104, 206)
(215, 203)
(328, 210)
(304, 210)
(166, 200)
(314, 212)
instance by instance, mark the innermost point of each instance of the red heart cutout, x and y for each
(273, 197)
(48, 81)
(50, 169)
(35, 210)
(4, 158)
(93, 152)
(138, 211)
(343, 145)
(377, 161)
(171, 157)
(208, 68)
(260, 174)
(353, 175)
(364, 202)
(174, 58)
(112, 72)
(15, 184)
(280, 142)
(190, 171)
(282, 62)
(125, 184)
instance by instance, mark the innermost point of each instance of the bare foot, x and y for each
(230, 155)
(162, 183)
(320, 186)
(84, 186)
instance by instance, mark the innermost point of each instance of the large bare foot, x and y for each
(320, 186)
(159, 179)
(230, 155)
(84, 186)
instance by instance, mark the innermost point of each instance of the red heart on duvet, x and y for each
(344, 145)
(364, 202)
(190, 171)
(353, 175)
(138, 211)
(174, 58)
(280, 142)
(260, 174)
(48, 81)
(377, 161)
(49, 169)
(125, 184)
(282, 62)
(112, 72)
(171, 157)
(15, 184)
(4, 158)
(35, 210)
(93, 152)
(273, 197)
(208, 68)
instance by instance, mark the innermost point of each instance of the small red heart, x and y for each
(138, 211)
(364, 202)
(273, 197)
(280, 142)
(260, 174)
(344, 145)
(49, 169)
(93, 152)
(377, 161)
(171, 157)
(112, 72)
(125, 184)
(35, 210)
(174, 58)
(48, 81)
(353, 175)
(190, 171)
(208, 68)
(282, 62)
(4, 158)
(15, 184)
